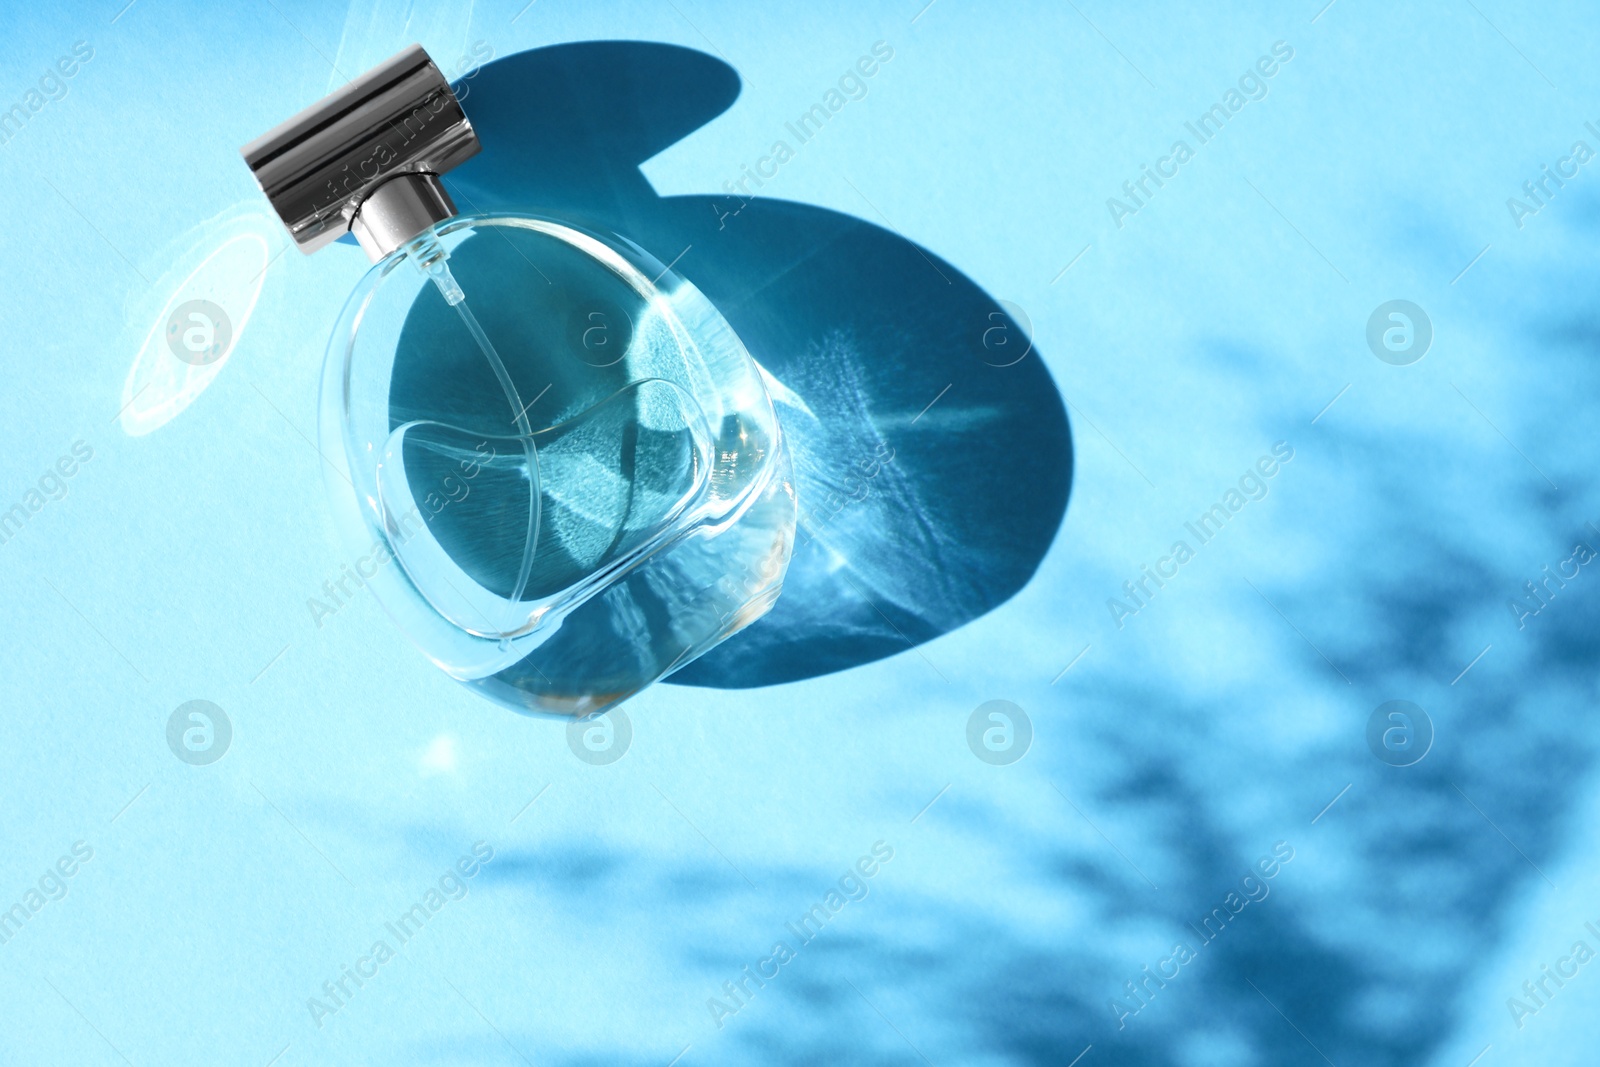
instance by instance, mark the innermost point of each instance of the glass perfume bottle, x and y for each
(552, 459)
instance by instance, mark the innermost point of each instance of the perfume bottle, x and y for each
(550, 456)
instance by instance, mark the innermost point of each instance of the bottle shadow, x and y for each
(931, 449)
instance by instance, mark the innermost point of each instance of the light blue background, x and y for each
(1223, 317)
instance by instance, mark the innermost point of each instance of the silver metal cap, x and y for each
(322, 168)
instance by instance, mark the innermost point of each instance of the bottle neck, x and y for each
(399, 210)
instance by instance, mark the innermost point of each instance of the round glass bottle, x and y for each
(558, 467)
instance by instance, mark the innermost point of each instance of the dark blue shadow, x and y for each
(864, 329)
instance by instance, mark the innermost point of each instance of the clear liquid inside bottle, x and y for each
(560, 465)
